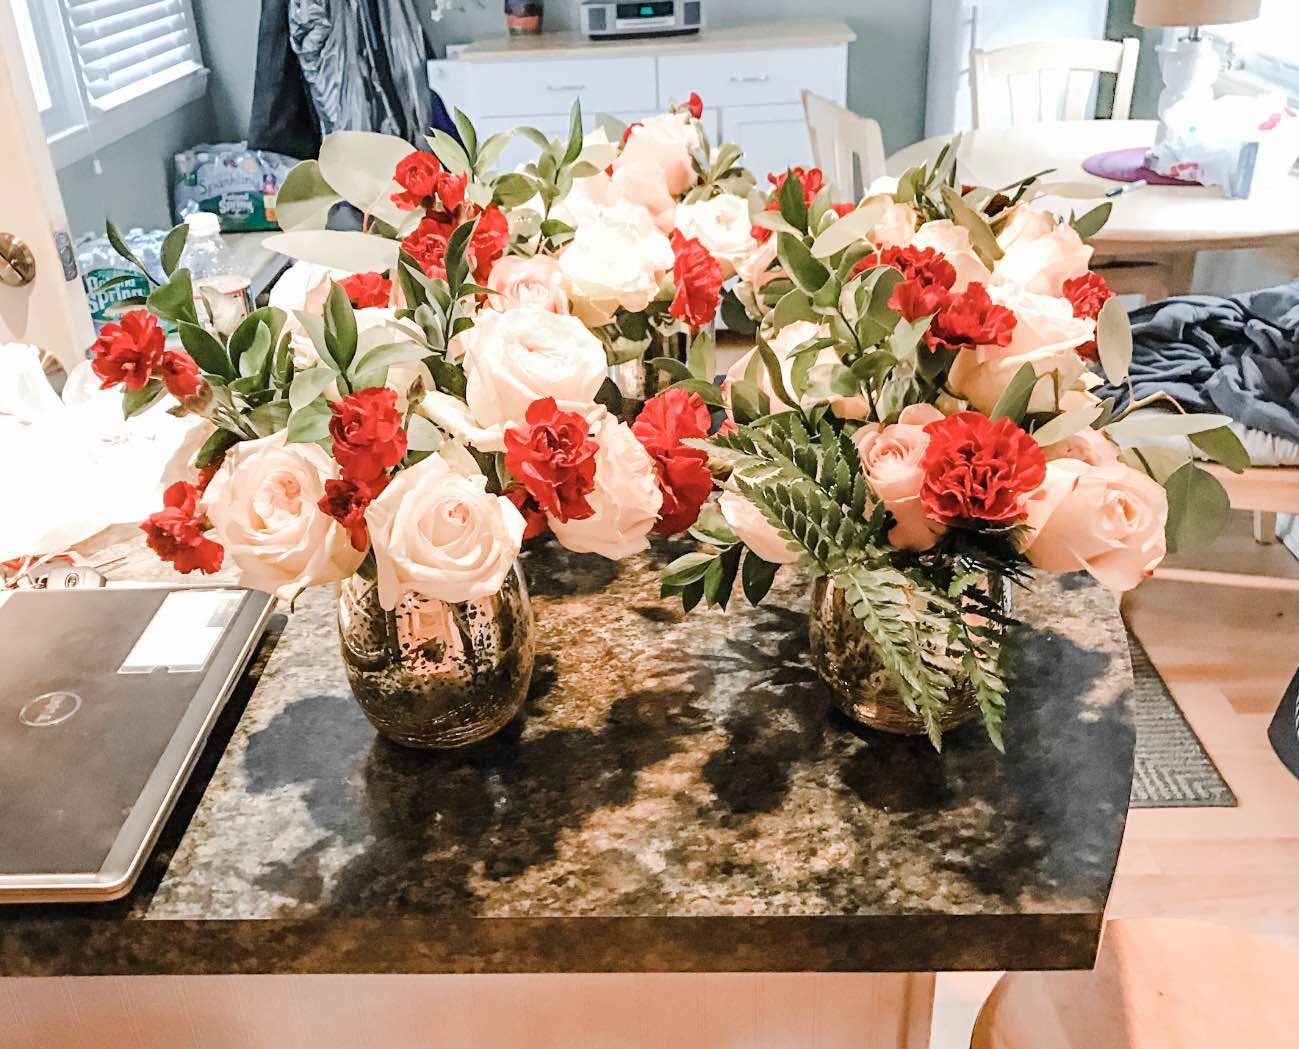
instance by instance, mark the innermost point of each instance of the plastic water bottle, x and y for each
(221, 293)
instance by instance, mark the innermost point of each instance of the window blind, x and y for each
(125, 46)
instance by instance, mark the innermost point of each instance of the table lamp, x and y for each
(1192, 65)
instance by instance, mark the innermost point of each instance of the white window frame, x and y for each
(75, 128)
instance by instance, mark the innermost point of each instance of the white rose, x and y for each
(626, 499)
(722, 225)
(953, 243)
(512, 359)
(262, 505)
(896, 227)
(755, 269)
(755, 531)
(668, 140)
(442, 535)
(1047, 335)
(616, 259)
(1040, 253)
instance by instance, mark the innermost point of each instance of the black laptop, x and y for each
(106, 699)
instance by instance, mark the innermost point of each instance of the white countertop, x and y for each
(803, 32)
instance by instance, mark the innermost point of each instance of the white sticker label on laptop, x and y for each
(184, 632)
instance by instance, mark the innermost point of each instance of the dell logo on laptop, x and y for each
(49, 709)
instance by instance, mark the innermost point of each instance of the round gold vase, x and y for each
(435, 675)
(845, 659)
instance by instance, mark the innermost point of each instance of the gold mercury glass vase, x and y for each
(435, 675)
(844, 657)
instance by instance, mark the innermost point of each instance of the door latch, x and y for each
(17, 263)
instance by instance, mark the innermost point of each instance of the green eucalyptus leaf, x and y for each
(850, 229)
(701, 357)
(1198, 508)
(774, 373)
(310, 384)
(359, 166)
(423, 436)
(575, 136)
(309, 424)
(1114, 341)
(1223, 446)
(468, 136)
(136, 401)
(735, 316)
(981, 235)
(1066, 424)
(449, 151)
(748, 402)
(269, 418)
(1013, 402)
(709, 393)
(793, 205)
(348, 250)
(174, 301)
(687, 568)
(1091, 223)
(807, 272)
(119, 246)
(1132, 428)
(172, 246)
(512, 189)
(675, 369)
(254, 360)
(340, 327)
(306, 198)
(206, 349)
(490, 151)
(447, 377)
(215, 447)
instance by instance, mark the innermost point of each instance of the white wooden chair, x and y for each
(839, 137)
(1027, 71)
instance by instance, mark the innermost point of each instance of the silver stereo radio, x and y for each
(620, 20)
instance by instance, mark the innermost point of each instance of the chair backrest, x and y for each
(1026, 72)
(839, 136)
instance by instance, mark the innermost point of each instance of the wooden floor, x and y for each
(1227, 654)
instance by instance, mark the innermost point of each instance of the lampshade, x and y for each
(1194, 12)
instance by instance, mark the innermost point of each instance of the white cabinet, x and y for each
(748, 76)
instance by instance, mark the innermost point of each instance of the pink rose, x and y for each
(953, 243)
(1088, 445)
(1040, 253)
(668, 141)
(754, 268)
(892, 459)
(755, 531)
(896, 227)
(1107, 520)
(642, 182)
(537, 282)
(1046, 335)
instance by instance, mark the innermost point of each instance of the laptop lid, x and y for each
(106, 699)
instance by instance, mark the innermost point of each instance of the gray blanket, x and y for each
(1238, 356)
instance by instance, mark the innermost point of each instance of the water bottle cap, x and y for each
(203, 224)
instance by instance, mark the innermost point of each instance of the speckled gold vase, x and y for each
(435, 675)
(845, 659)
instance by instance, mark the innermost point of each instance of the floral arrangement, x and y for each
(916, 425)
(416, 422)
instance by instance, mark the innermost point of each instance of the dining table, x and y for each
(1162, 226)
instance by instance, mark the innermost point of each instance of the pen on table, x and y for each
(1119, 190)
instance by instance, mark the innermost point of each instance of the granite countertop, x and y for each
(679, 796)
(761, 36)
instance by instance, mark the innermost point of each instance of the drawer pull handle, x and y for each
(761, 78)
(565, 87)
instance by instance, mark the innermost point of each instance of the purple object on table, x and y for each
(1128, 165)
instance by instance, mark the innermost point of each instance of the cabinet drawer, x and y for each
(605, 85)
(754, 78)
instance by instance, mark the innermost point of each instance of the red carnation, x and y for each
(979, 470)
(630, 130)
(367, 432)
(427, 244)
(425, 183)
(175, 533)
(491, 238)
(534, 520)
(684, 480)
(925, 265)
(812, 182)
(971, 319)
(180, 374)
(128, 351)
(553, 457)
(698, 279)
(364, 290)
(914, 300)
(1087, 294)
(417, 173)
(345, 501)
(695, 105)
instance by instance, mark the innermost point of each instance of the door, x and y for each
(41, 297)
